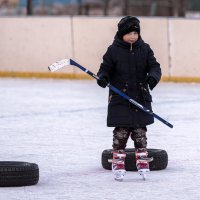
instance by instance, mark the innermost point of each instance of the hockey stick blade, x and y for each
(58, 65)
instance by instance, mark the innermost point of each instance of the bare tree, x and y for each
(29, 7)
(182, 9)
(80, 7)
(179, 7)
(125, 6)
(3, 2)
(106, 7)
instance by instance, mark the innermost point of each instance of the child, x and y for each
(129, 65)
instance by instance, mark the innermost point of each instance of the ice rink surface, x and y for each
(61, 126)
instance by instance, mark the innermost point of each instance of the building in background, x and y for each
(181, 8)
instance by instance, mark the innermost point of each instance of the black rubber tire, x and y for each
(160, 159)
(13, 173)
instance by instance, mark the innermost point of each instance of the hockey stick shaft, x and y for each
(62, 63)
(72, 62)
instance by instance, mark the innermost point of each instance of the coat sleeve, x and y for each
(154, 69)
(107, 65)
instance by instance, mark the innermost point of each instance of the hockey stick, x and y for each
(60, 64)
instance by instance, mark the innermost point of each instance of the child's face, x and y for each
(131, 37)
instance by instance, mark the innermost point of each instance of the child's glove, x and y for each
(102, 81)
(151, 82)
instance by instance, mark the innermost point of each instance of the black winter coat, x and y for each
(127, 69)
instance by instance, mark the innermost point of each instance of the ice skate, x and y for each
(142, 161)
(118, 164)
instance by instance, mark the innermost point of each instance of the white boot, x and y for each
(142, 161)
(118, 164)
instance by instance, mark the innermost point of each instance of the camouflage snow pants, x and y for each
(121, 135)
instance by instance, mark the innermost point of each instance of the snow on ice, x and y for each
(61, 126)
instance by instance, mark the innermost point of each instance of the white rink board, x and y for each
(31, 44)
(184, 50)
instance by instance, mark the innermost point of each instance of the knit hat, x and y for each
(128, 24)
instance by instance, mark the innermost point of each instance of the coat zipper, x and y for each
(131, 48)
